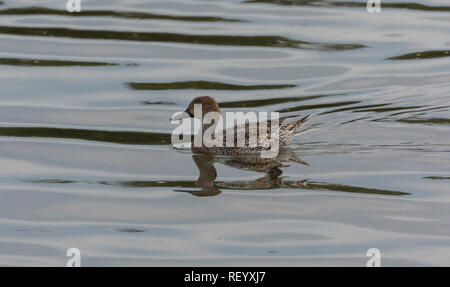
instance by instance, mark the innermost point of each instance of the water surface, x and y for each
(85, 154)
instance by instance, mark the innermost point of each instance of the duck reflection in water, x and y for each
(270, 167)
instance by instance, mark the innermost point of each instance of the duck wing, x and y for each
(243, 130)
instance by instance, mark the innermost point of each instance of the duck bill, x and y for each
(179, 116)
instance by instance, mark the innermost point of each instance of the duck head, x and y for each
(207, 104)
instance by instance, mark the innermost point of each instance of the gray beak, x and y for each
(179, 116)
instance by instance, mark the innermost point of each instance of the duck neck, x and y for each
(208, 127)
(207, 133)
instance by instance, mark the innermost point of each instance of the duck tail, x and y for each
(297, 124)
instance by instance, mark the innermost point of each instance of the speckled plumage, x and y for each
(249, 146)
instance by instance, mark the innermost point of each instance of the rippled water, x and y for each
(85, 152)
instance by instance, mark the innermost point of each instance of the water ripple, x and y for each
(317, 106)
(407, 5)
(225, 40)
(203, 85)
(422, 55)
(50, 63)
(121, 137)
(107, 13)
(240, 185)
(426, 121)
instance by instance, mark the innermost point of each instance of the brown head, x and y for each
(207, 103)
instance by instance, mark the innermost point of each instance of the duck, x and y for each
(281, 137)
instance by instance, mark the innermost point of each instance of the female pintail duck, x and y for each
(208, 104)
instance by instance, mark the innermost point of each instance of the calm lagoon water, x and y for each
(85, 154)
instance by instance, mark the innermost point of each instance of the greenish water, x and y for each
(85, 154)
(51, 63)
(203, 85)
